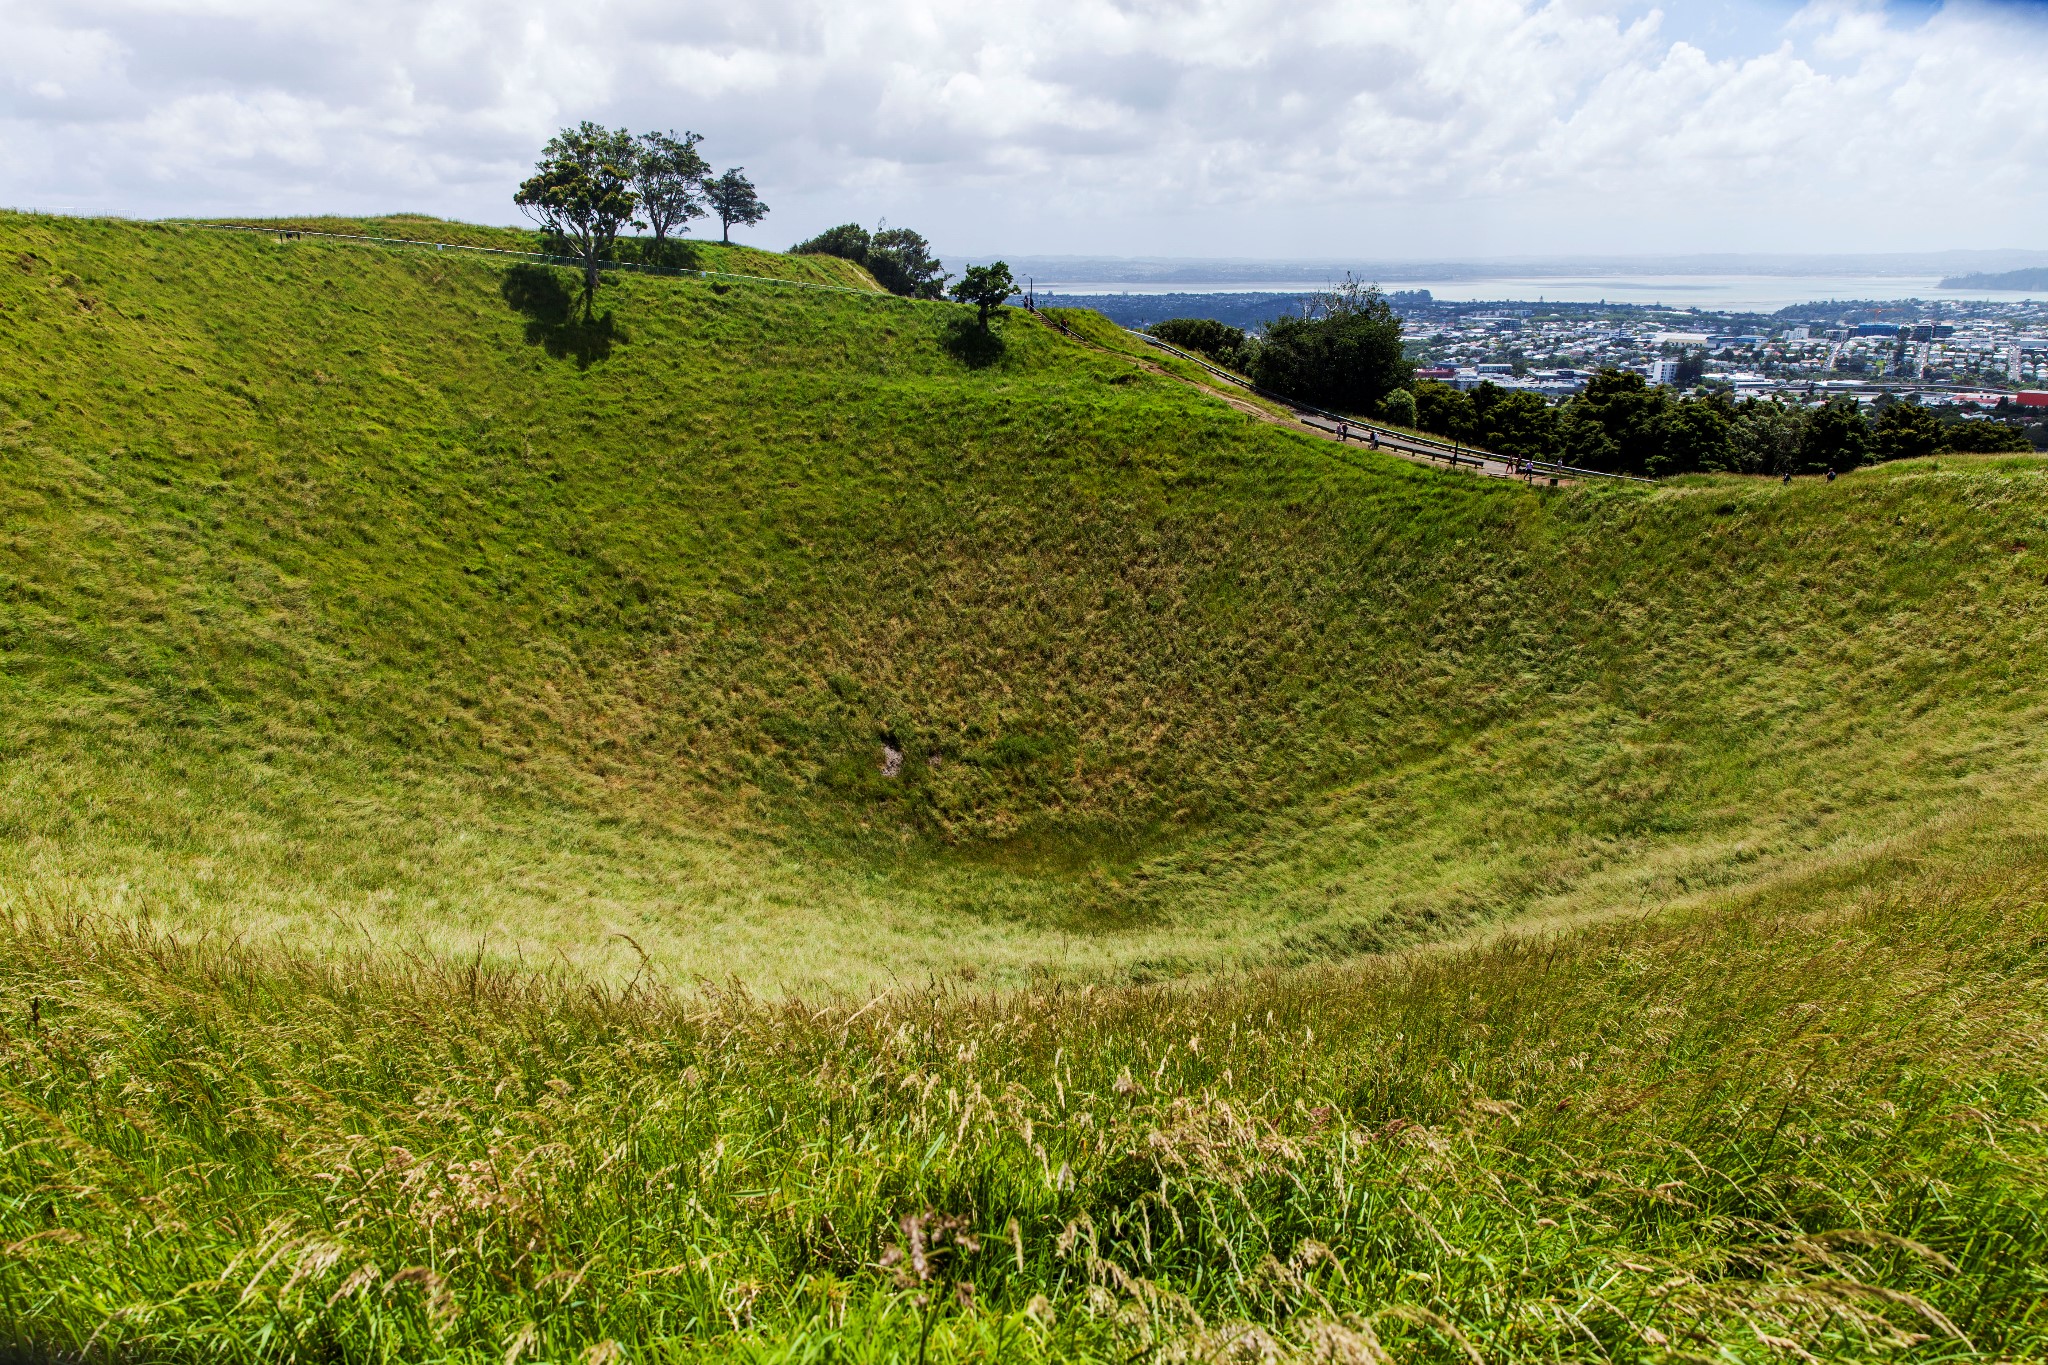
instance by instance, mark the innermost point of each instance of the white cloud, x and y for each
(1257, 127)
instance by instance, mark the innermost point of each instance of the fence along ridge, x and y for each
(633, 267)
(1455, 453)
(1454, 456)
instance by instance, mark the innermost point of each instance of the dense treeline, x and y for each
(1350, 358)
(1222, 343)
(1345, 351)
(900, 260)
(1623, 424)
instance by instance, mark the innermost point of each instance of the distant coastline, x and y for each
(1164, 273)
(1708, 293)
(1729, 283)
(2034, 279)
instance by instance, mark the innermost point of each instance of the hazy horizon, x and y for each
(1165, 268)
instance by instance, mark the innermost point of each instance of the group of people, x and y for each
(1344, 433)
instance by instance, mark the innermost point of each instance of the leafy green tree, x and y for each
(1398, 407)
(1515, 422)
(1905, 431)
(1647, 430)
(1765, 437)
(1691, 435)
(668, 179)
(900, 260)
(1442, 411)
(581, 194)
(1626, 410)
(1220, 342)
(1584, 439)
(732, 198)
(1837, 438)
(986, 287)
(1351, 357)
(848, 241)
(1983, 438)
(902, 263)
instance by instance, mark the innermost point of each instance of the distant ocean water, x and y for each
(1729, 293)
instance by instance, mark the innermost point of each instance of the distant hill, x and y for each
(2036, 278)
(1248, 310)
(1198, 273)
(1251, 311)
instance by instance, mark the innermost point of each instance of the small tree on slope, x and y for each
(986, 287)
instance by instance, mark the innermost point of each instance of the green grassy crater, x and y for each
(458, 901)
(340, 596)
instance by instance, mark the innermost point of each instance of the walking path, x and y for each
(1330, 426)
(1400, 443)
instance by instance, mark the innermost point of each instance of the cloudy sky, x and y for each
(1376, 129)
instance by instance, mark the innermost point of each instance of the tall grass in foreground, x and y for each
(1804, 1126)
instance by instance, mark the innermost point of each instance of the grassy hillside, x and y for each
(690, 253)
(407, 687)
(341, 596)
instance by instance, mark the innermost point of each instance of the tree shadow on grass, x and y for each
(974, 346)
(552, 321)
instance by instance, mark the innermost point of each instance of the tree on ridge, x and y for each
(1350, 356)
(581, 192)
(669, 179)
(902, 262)
(848, 241)
(733, 199)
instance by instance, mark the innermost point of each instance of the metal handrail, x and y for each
(1453, 452)
(1455, 456)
